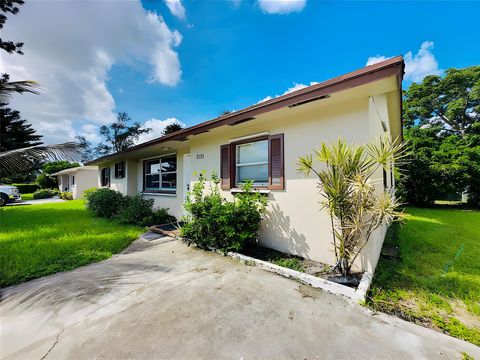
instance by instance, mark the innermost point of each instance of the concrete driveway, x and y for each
(162, 300)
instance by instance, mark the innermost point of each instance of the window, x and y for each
(252, 162)
(105, 174)
(260, 159)
(73, 180)
(160, 175)
(120, 170)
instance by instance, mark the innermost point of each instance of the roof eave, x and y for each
(390, 67)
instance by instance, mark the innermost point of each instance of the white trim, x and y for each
(249, 137)
(157, 156)
(158, 194)
(359, 294)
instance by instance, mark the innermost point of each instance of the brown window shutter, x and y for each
(276, 168)
(225, 167)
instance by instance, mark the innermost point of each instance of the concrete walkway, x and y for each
(164, 300)
(36, 201)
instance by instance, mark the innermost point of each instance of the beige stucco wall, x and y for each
(294, 221)
(126, 185)
(84, 179)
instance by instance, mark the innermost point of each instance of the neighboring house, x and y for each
(77, 179)
(263, 142)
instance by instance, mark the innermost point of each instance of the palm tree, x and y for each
(349, 194)
(21, 160)
(7, 87)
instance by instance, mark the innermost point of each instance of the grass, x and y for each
(27, 196)
(435, 281)
(38, 240)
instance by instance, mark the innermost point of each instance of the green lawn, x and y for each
(435, 281)
(27, 196)
(38, 240)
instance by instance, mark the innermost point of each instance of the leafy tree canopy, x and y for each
(10, 6)
(441, 165)
(55, 166)
(171, 128)
(16, 132)
(452, 101)
(119, 135)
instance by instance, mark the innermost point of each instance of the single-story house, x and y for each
(77, 179)
(263, 142)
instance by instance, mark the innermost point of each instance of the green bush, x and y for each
(66, 195)
(216, 223)
(104, 202)
(45, 193)
(139, 211)
(46, 181)
(27, 188)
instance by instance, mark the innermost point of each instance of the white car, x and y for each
(9, 193)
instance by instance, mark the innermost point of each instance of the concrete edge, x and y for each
(357, 295)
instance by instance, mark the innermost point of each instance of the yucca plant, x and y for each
(348, 189)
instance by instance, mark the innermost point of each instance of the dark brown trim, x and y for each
(280, 186)
(368, 74)
(115, 170)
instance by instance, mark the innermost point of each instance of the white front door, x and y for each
(186, 177)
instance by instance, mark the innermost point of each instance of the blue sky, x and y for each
(230, 54)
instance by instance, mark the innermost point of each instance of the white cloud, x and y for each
(72, 52)
(176, 8)
(417, 66)
(295, 87)
(281, 6)
(375, 59)
(422, 64)
(157, 127)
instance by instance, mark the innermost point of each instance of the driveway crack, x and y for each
(53, 345)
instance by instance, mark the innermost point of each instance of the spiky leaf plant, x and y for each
(350, 193)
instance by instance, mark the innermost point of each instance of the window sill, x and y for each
(149, 193)
(239, 190)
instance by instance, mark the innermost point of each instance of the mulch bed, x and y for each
(310, 267)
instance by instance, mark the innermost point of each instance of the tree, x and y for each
(17, 161)
(7, 87)
(171, 128)
(85, 148)
(442, 165)
(10, 6)
(348, 190)
(119, 135)
(453, 102)
(16, 132)
(45, 180)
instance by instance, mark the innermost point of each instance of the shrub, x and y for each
(45, 181)
(134, 210)
(139, 211)
(66, 195)
(104, 202)
(27, 188)
(347, 186)
(216, 223)
(44, 193)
